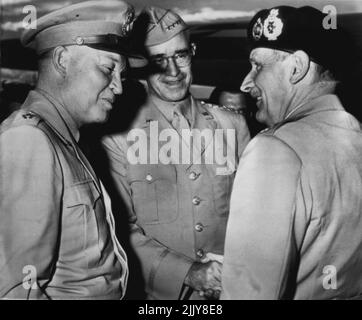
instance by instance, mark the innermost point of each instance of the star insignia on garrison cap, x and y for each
(273, 26)
(173, 25)
(257, 30)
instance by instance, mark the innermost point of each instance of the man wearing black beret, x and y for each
(294, 230)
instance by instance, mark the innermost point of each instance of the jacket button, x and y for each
(193, 176)
(149, 177)
(200, 253)
(199, 227)
(196, 201)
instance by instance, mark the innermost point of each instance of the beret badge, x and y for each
(257, 30)
(273, 26)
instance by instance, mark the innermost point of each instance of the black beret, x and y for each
(289, 29)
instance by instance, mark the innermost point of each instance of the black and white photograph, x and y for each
(181, 150)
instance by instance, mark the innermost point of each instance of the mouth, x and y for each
(258, 101)
(110, 101)
(173, 82)
(257, 96)
(110, 98)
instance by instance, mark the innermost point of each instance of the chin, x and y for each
(176, 96)
(102, 118)
(105, 118)
(261, 118)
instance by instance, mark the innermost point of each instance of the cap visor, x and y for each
(136, 61)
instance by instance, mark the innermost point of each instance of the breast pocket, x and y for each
(80, 225)
(154, 193)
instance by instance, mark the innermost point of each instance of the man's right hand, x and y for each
(205, 278)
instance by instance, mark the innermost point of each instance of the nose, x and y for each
(172, 67)
(248, 82)
(116, 84)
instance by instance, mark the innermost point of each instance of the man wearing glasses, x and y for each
(178, 210)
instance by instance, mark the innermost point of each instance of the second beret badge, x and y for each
(273, 26)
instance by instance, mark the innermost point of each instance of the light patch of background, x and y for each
(193, 11)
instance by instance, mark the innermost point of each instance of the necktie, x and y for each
(179, 122)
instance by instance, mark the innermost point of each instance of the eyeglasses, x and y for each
(181, 59)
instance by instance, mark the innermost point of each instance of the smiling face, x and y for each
(93, 80)
(173, 83)
(268, 83)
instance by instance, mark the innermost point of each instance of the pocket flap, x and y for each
(152, 173)
(81, 193)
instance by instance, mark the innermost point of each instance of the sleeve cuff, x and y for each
(167, 278)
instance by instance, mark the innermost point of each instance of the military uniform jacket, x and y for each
(178, 211)
(295, 222)
(56, 237)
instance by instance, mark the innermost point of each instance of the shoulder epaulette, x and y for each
(221, 107)
(27, 117)
(264, 131)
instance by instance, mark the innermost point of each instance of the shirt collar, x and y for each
(167, 108)
(54, 113)
(326, 102)
(69, 121)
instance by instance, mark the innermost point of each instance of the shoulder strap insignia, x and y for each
(216, 106)
(233, 110)
(264, 131)
(28, 115)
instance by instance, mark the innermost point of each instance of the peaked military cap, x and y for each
(289, 29)
(104, 25)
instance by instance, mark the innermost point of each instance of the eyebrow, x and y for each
(254, 60)
(121, 60)
(160, 55)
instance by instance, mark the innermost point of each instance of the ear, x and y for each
(301, 66)
(60, 60)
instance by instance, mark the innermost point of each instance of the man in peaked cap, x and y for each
(57, 238)
(294, 230)
(178, 210)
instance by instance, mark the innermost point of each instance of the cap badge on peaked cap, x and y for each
(127, 26)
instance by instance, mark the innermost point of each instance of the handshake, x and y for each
(205, 276)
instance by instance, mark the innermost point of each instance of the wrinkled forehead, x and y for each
(261, 54)
(116, 57)
(100, 54)
(177, 43)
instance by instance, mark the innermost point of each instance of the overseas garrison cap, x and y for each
(163, 25)
(104, 25)
(289, 29)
